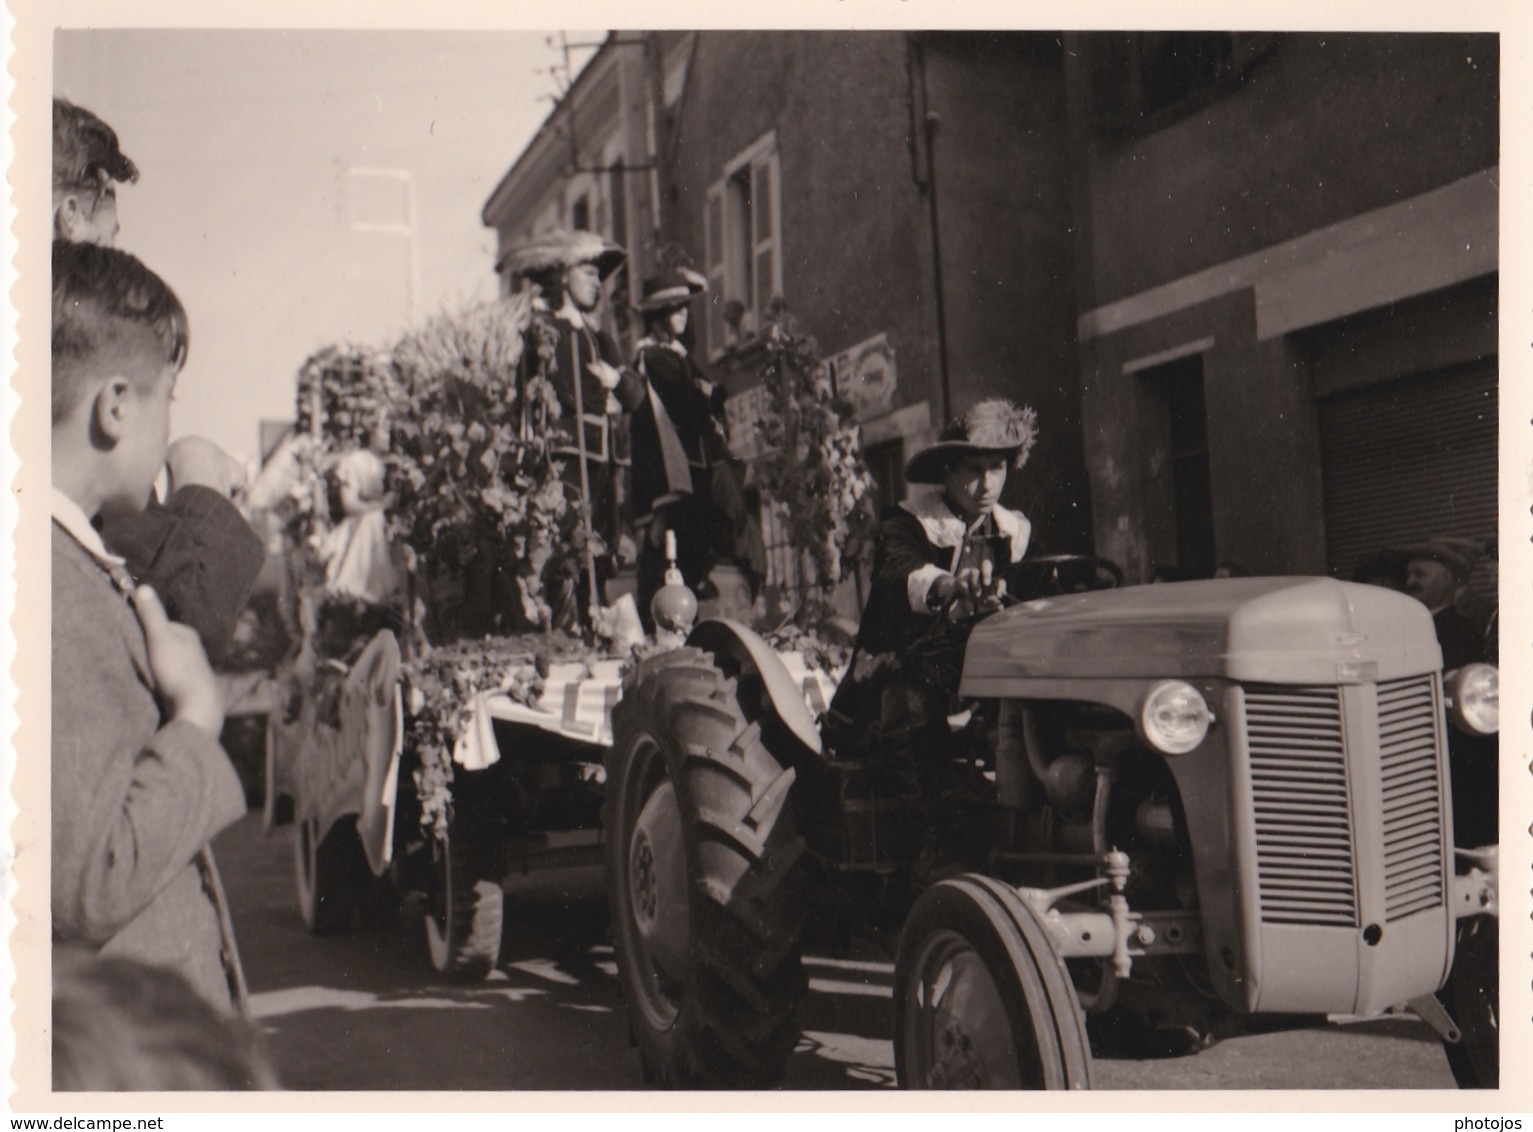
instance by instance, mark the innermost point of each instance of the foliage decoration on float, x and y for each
(812, 465)
(471, 452)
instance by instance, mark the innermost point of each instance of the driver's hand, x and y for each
(994, 598)
(970, 592)
(961, 593)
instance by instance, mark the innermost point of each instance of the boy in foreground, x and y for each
(194, 548)
(140, 783)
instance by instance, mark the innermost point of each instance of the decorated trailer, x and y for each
(438, 737)
(385, 804)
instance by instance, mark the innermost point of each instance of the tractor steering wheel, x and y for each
(1050, 575)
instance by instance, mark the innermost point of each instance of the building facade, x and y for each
(1247, 281)
(1287, 252)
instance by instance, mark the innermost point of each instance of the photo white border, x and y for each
(29, 78)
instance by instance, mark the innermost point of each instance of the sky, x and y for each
(261, 152)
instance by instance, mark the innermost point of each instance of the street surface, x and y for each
(365, 1011)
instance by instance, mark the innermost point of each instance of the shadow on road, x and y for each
(365, 1011)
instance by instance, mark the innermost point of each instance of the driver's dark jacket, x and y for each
(901, 643)
(919, 540)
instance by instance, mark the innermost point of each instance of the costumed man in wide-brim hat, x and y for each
(684, 477)
(933, 554)
(567, 346)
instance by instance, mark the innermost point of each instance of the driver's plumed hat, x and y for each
(562, 248)
(990, 428)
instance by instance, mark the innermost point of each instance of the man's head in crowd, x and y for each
(87, 166)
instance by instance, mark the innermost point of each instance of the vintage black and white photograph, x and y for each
(601, 559)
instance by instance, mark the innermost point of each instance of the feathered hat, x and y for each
(671, 289)
(563, 248)
(993, 427)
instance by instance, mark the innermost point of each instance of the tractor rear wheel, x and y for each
(704, 871)
(981, 999)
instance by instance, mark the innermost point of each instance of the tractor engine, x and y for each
(1255, 766)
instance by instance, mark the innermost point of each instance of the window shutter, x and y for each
(766, 260)
(713, 256)
(1409, 459)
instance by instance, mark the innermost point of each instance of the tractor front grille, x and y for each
(1304, 781)
(1413, 826)
(1305, 867)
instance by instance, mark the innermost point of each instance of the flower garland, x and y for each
(442, 685)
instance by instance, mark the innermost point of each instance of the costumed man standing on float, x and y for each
(567, 346)
(932, 569)
(684, 478)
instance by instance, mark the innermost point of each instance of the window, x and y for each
(784, 571)
(617, 197)
(1147, 80)
(1179, 463)
(1176, 65)
(742, 234)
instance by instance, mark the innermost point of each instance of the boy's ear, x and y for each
(111, 409)
(68, 217)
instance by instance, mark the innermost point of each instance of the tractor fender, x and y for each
(740, 643)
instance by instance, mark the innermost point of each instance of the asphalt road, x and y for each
(365, 1011)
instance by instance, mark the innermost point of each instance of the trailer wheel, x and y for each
(704, 870)
(981, 1000)
(330, 873)
(464, 909)
(1472, 1001)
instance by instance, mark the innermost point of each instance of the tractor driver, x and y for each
(932, 566)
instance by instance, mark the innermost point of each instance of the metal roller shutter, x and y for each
(1409, 459)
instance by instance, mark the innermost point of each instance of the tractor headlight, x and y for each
(1474, 699)
(1174, 717)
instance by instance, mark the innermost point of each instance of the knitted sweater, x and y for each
(135, 800)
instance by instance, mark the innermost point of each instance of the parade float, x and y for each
(434, 735)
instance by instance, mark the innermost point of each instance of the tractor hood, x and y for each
(1279, 630)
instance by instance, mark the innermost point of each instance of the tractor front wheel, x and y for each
(982, 1001)
(1472, 1000)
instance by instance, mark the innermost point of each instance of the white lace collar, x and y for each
(671, 344)
(945, 529)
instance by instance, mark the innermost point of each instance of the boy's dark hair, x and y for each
(119, 1025)
(84, 149)
(109, 309)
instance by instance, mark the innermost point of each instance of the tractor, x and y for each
(1190, 808)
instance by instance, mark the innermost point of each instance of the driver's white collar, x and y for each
(947, 530)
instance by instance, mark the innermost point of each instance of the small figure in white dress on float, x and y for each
(359, 563)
